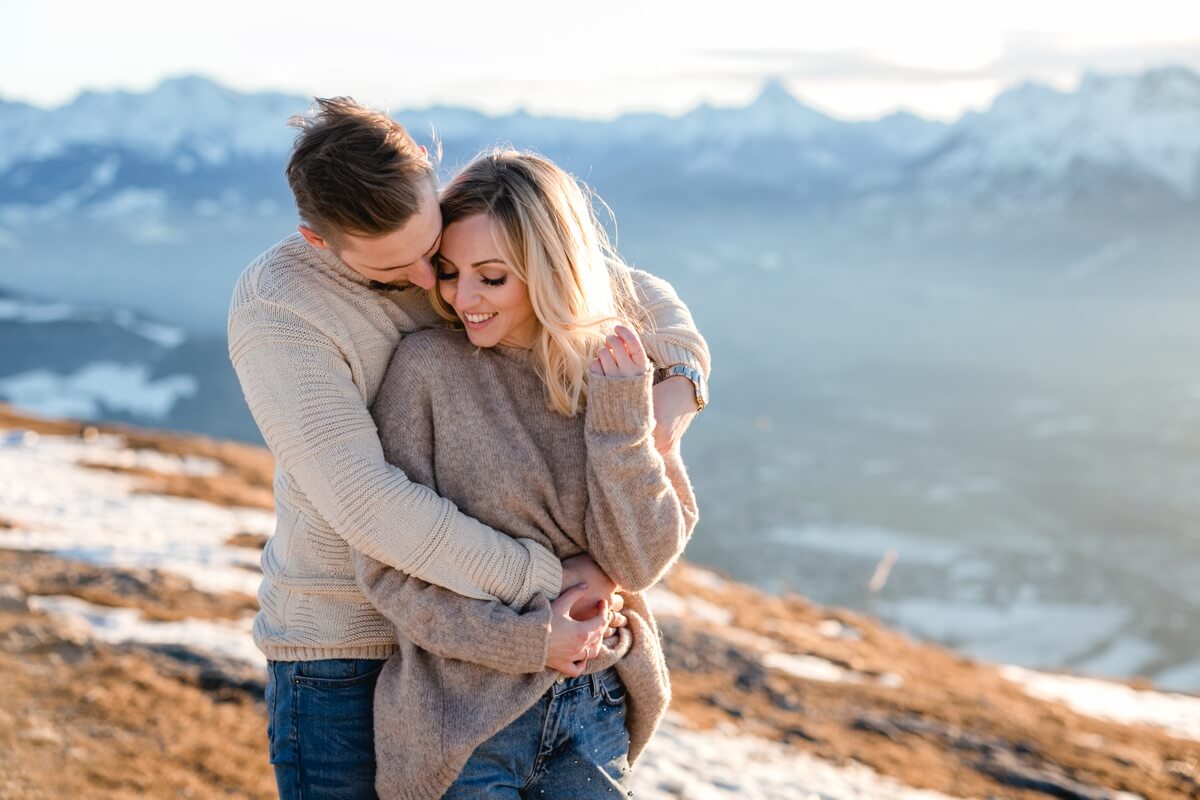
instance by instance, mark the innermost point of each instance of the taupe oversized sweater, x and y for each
(310, 340)
(474, 426)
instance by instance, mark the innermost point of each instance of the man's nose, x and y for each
(422, 274)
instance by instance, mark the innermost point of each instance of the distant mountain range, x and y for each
(193, 146)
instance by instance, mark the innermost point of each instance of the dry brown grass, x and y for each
(87, 721)
(160, 596)
(950, 726)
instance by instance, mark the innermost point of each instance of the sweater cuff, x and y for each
(670, 353)
(619, 404)
(525, 646)
(544, 575)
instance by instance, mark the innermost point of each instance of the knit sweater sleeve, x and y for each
(641, 508)
(436, 620)
(670, 334)
(301, 391)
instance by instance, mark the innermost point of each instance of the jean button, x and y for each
(561, 679)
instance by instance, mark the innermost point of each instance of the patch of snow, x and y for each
(811, 668)
(1026, 629)
(130, 203)
(832, 629)
(122, 625)
(864, 541)
(97, 386)
(685, 764)
(37, 312)
(706, 578)
(1177, 714)
(665, 603)
(97, 516)
(12, 310)
(112, 453)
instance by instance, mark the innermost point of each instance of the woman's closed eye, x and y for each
(494, 281)
(443, 269)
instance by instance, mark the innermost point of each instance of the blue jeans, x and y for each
(571, 745)
(320, 724)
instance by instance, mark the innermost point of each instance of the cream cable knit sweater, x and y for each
(475, 425)
(310, 340)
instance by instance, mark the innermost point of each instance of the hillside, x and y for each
(127, 568)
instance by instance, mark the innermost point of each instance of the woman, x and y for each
(536, 421)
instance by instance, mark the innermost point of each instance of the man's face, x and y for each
(399, 258)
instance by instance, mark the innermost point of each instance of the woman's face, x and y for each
(474, 279)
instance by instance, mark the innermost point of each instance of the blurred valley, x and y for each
(972, 345)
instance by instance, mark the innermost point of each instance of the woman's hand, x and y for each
(573, 642)
(622, 356)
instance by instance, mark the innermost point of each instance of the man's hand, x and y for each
(674, 408)
(582, 569)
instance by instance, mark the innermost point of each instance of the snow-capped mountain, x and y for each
(1042, 141)
(193, 144)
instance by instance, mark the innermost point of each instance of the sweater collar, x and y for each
(330, 261)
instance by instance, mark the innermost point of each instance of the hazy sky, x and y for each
(852, 59)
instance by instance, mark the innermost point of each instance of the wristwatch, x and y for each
(694, 375)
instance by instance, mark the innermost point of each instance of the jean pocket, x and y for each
(612, 689)
(337, 673)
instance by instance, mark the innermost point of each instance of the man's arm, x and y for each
(670, 337)
(668, 330)
(452, 626)
(314, 418)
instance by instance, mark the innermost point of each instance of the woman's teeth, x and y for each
(478, 318)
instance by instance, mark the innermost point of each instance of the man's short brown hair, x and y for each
(355, 170)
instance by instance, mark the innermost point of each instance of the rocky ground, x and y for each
(781, 697)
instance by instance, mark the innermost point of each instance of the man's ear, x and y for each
(312, 237)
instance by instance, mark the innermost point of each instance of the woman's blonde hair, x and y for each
(549, 234)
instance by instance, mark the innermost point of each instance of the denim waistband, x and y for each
(564, 684)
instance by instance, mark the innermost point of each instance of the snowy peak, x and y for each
(1140, 127)
(775, 94)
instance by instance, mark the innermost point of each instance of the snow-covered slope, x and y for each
(1131, 126)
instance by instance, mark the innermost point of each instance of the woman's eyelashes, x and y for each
(446, 272)
(441, 270)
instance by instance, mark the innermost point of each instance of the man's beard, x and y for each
(398, 286)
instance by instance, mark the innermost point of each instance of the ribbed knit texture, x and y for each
(474, 425)
(310, 340)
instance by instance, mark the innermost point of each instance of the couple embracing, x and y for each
(475, 411)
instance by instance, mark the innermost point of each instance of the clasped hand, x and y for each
(583, 617)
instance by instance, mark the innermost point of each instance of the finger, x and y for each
(620, 352)
(562, 606)
(596, 367)
(595, 626)
(617, 601)
(619, 620)
(608, 362)
(572, 669)
(633, 344)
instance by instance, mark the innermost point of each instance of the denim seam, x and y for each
(295, 682)
(540, 758)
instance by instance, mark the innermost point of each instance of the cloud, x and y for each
(1025, 56)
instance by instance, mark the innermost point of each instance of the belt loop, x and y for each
(595, 676)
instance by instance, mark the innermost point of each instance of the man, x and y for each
(312, 326)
